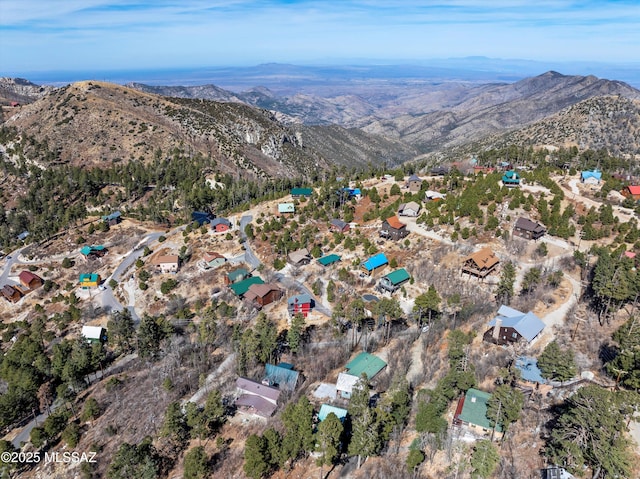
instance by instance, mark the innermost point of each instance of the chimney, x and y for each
(496, 329)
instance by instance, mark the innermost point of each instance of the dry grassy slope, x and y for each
(498, 108)
(92, 123)
(606, 122)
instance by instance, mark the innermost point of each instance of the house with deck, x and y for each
(113, 219)
(240, 288)
(481, 263)
(263, 294)
(392, 228)
(631, 191)
(471, 414)
(394, 280)
(10, 293)
(166, 263)
(510, 326)
(527, 229)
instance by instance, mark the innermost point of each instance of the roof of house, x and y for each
(375, 262)
(412, 205)
(237, 273)
(352, 191)
(326, 409)
(629, 254)
(220, 221)
(414, 178)
(591, 174)
(9, 290)
(511, 176)
(285, 378)
(92, 332)
(28, 276)
(303, 298)
(299, 255)
(254, 387)
(112, 216)
(346, 382)
(166, 259)
(329, 259)
(286, 208)
(395, 222)
(398, 276)
(430, 194)
(22, 236)
(528, 225)
(211, 255)
(474, 410)
(89, 277)
(365, 363)
(634, 190)
(527, 325)
(339, 223)
(241, 287)
(485, 258)
(260, 290)
(260, 405)
(301, 191)
(87, 250)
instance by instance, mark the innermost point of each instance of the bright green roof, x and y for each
(238, 273)
(365, 363)
(474, 410)
(329, 259)
(301, 191)
(241, 287)
(398, 276)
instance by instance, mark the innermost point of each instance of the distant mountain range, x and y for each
(264, 134)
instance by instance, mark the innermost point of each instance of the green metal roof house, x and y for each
(365, 363)
(241, 287)
(296, 192)
(329, 259)
(511, 178)
(472, 412)
(392, 281)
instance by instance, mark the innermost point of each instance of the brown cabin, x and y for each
(393, 229)
(527, 229)
(30, 280)
(263, 294)
(481, 263)
(10, 293)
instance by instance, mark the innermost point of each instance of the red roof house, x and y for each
(631, 192)
(30, 280)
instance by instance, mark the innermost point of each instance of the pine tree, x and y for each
(328, 440)
(196, 463)
(256, 459)
(364, 436)
(505, 406)
(557, 364)
(485, 459)
(504, 290)
(295, 333)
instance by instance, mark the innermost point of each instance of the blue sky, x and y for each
(42, 35)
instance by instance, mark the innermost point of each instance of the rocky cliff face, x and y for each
(21, 90)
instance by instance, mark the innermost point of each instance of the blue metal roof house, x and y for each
(375, 262)
(591, 177)
(326, 409)
(511, 325)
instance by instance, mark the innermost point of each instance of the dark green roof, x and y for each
(241, 287)
(398, 276)
(365, 363)
(474, 410)
(329, 259)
